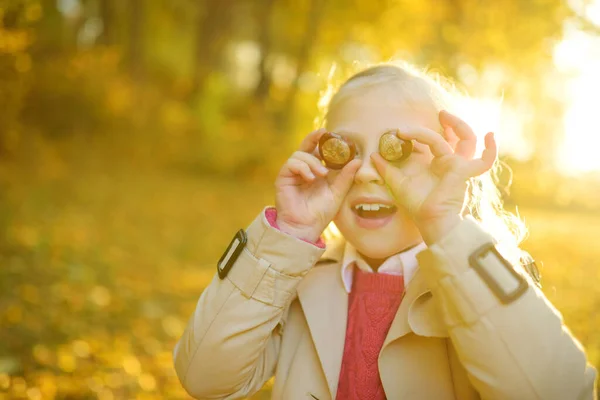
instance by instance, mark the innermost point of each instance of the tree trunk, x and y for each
(136, 38)
(107, 15)
(315, 15)
(264, 21)
(211, 40)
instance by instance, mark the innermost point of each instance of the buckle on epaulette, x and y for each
(505, 297)
(232, 253)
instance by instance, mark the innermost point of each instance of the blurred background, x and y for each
(137, 136)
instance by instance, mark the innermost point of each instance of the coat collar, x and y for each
(325, 304)
(334, 252)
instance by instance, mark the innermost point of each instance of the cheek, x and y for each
(416, 163)
(343, 219)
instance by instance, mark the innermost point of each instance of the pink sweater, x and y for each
(372, 305)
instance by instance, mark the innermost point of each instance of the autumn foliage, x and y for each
(136, 137)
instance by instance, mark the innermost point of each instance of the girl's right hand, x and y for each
(307, 194)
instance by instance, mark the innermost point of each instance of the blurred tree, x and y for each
(51, 31)
(312, 27)
(107, 36)
(17, 18)
(212, 37)
(264, 11)
(282, 47)
(136, 37)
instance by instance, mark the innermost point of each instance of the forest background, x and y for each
(137, 136)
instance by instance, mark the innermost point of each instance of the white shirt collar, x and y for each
(404, 263)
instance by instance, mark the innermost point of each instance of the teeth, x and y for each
(371, 207)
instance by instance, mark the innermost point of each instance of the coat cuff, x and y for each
(466, 293)
(271, 215)
(272, 264)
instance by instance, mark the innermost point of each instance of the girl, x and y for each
(424, 297)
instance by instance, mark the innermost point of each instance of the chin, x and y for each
(375, 249)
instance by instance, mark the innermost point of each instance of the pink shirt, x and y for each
(404, 263)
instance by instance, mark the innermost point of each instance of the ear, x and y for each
(450, 136)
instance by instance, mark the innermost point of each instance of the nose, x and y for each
(367, 173)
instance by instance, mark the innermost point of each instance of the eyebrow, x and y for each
(353, 135)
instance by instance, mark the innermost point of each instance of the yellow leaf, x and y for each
(131, 365)
(147, 382)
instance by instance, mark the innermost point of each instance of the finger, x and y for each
(316, 153)
(441, 165)
(310, 142)
(488, 157)
(439, 147)
(467, 142)
(313, 162)
(343, 181)
(301, 168)
(450, 137)
(381, 165)
(392, 175)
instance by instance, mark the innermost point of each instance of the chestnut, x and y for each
(335, 150)
(394, 148)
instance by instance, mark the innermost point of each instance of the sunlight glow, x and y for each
(578, 57)
(487, 111)
(491, 114)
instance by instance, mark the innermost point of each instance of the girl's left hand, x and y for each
(433, 190)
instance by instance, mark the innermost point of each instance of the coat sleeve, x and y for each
(231, 344)
(512, 348)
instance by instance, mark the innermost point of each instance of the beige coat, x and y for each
(282, 311)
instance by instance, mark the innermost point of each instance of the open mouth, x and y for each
(374, 210)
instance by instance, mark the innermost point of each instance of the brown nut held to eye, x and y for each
(335, 150)
(394, 148)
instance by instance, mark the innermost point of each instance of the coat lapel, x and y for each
(325, 304)
(418, 313)
(401, 324)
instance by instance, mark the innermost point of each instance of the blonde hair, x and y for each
(431, 92)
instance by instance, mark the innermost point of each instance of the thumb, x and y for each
(342, 183)
(391, 175)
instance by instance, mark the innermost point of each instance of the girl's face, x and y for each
(363, 118)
